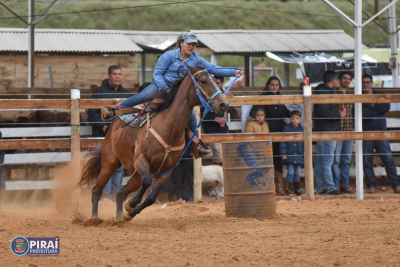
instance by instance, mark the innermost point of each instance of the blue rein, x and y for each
(207, 108)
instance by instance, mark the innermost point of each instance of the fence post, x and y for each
(308, 165)
(197, 172)
(75, 131)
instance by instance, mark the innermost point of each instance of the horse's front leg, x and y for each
(132, 185)
(143, 169)
(151, 198)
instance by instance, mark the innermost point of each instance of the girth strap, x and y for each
(168, 148)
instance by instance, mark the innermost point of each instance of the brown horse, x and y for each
(149, 153)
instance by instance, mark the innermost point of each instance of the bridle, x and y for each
(200, 92)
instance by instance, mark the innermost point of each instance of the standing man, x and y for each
(215, 124)
(344, 149)
(110, 88)
(326, 119)
(374, 119)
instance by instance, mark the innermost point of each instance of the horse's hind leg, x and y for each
(151, 199)
(109, 163)
(132, 185)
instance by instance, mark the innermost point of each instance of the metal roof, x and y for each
(153, 40)
(259, 41)
(59, 40)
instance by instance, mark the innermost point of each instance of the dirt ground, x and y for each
(325, 232)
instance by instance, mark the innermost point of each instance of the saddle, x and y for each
(136, 121)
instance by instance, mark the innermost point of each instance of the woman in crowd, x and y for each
(275, 115)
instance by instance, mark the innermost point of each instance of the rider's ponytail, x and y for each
(179, 40)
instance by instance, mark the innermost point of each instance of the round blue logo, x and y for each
(19, 246)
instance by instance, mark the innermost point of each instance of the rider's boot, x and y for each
(109, 113)
(200, 149)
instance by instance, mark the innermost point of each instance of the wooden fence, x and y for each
(77, 143)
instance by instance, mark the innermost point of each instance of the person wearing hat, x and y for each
(171, 67)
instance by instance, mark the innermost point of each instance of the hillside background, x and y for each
(216, 14)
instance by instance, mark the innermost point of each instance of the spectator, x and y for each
(293, 154)
(2, 178)
(343, 150)
(275, 115)
(258, 123)
(374, 119)
(215, 124)
(110, 88)
(327, 120)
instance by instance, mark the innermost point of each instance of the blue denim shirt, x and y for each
(170, 64)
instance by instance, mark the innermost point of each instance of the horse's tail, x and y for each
(91, 163)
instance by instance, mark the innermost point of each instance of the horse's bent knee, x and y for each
(147, 181)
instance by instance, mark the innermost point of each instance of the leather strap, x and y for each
(200, 71)
(168, 148)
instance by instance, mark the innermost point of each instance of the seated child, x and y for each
(257, 123)
(293, 154)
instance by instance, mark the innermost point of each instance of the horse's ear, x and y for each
(199, 66)
(191, 69)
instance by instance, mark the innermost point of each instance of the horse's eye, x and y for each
(203, 82)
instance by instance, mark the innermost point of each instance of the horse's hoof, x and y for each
(127, 207)
(126, 216)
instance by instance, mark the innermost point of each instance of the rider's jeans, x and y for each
(146, 95)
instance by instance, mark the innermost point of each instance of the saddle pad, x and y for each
(138, 121)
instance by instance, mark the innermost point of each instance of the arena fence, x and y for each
(77, 143)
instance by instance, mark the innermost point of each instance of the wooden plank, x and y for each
(288, 137)
(98, 103)
(34, 103)
(378, 135)
(29, 185)
(46, 143)
(42, 131)
(377, 98)
(33, 144)
(266, 100)
(29, 158)
(237, 100)
(274, 137)
(379, 171)
(38, 158)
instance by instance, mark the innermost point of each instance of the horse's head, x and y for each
(208, 89)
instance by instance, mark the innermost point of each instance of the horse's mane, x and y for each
(163, 100)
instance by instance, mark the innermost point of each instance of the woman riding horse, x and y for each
(169, 67)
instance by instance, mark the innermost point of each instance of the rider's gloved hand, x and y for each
(238, 73)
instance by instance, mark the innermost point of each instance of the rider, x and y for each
(170, 66)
